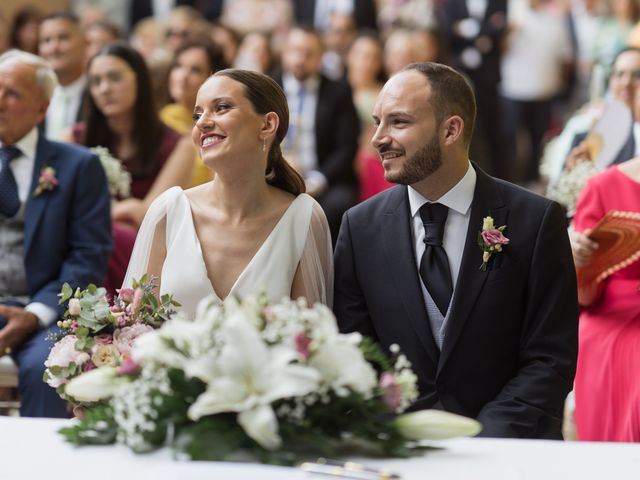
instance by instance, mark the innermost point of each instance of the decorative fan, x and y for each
(618, 234)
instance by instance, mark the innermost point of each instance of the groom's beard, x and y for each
(420, 165)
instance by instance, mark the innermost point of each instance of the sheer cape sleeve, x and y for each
(316, 262)
(150, 235)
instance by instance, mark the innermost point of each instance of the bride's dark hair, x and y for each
(266, 96)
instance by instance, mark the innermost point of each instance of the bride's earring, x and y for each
(264, 144)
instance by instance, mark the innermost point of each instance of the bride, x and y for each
(250, 230)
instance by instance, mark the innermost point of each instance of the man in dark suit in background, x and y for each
(323, 129)
(490, 335)
(474, 30)
(317, 12)
(55, 226)
(62, 43)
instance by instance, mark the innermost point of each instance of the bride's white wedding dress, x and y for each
(301, 237)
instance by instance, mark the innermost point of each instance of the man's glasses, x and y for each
(634, 75)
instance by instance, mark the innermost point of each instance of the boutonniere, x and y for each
(47, 181)
(490, 240)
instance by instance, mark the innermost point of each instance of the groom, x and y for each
(490, 335)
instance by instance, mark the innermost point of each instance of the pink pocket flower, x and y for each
(490, 240)
(46, 182)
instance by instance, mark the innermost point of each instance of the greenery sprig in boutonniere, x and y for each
(490, 240)
(47, 180)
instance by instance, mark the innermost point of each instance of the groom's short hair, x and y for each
(451, 94)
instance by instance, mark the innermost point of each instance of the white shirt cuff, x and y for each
(46, 315)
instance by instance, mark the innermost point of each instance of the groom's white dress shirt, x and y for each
(458, 199)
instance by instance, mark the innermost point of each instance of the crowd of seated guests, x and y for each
(128, 76)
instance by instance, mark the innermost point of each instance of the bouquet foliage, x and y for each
(276, 383)
(97, 333)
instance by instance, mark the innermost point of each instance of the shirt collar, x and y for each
(459, 198)
(292, 84)
(28, 143)
(74, 88)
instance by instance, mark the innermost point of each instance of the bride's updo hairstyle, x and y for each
(266, 96)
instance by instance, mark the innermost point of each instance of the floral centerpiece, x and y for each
(97, 333)
(277, 382)
(118, 178)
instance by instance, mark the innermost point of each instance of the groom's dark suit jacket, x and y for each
(509, 352)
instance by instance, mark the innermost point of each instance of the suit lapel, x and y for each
(36, 205)
(486, 201)
(399, 250)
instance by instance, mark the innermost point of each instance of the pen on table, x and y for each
(347, 470)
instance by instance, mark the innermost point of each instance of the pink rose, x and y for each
(64, 352)
(137, 299)
(126, 294)
(123, 338)
(493, 237)
(89, 366)
(103, 339)
(302, 345)
(392, 392)
(128, 366)
(49, 178)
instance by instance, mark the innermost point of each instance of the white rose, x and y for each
(106, 356)
(74, 307)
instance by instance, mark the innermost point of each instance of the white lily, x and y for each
(95, 385)
(343, 366)
(247, 377)
(436, 425)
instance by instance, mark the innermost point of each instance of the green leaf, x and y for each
(211, 438)
(96, 427)
(82, 332)
(65, 294)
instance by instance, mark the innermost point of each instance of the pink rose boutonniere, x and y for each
(47, 181)
(490, 240)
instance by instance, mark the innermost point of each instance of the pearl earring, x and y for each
(264, 144)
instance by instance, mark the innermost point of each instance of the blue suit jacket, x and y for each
(67, 232)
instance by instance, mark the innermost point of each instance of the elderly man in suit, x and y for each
(490, 334)
(55, 225)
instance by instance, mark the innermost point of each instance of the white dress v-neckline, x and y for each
(253, 260)
(271, 270)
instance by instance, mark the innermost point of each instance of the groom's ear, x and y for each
(453, 128)
(270, 124)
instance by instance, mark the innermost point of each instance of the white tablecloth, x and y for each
(31, 449)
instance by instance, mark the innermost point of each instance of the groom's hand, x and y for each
(21, 324)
